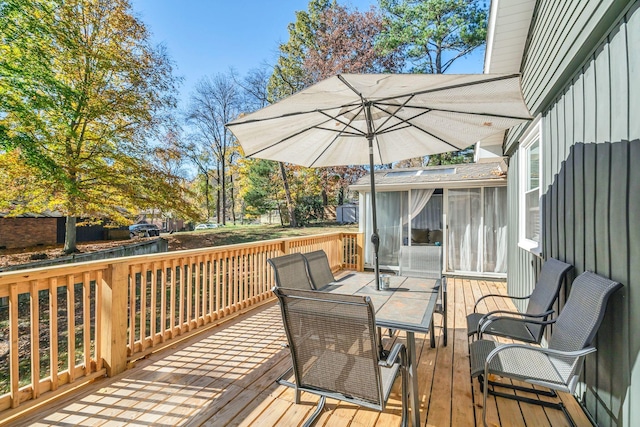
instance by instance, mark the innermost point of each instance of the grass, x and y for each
(233, 234)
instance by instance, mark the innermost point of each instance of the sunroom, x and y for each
(462, 207)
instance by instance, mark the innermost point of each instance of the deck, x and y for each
(225, 377)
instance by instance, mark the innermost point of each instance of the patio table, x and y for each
(407, 305)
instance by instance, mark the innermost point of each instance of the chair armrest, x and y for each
(484, 325)
(495, 296)
(547, 351)
(398, 350)
(514, 314)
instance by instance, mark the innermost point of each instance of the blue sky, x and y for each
(206, 37)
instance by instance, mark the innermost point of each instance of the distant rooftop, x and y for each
(460, 175)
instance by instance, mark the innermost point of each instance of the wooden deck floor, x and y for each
(226, 378)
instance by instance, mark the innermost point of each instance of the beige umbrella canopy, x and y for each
(374, 119)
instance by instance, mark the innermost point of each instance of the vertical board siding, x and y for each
(591, 179)
(561, 38)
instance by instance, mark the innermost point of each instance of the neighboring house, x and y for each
(462, 207)
(29, 230)
(48, 229)
(574, 172)
(164, 221)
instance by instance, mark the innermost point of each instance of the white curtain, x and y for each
(391, 209)
(419, 199)
(465, 232)
(495, 233)
(431, 215)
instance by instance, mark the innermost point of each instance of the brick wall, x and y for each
(25, 232)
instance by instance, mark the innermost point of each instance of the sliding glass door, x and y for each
(475, 231)
(477, 225)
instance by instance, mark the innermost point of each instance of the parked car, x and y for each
(206, 226)
(143, 230)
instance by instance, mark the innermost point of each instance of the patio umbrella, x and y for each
(372, 119)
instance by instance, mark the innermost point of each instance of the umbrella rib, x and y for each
(347, 125)
(297, 113)
(428, 109)
(455, 86)
(286, 139)
(406, 122)
(389, 116)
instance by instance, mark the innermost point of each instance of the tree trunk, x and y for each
(233, 200)
(224, 192)
(70, 235)
(287, 193)
(218, 198)
(207, 190)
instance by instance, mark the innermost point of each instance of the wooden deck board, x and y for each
(226, 377)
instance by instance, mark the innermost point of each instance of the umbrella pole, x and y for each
(375, 238)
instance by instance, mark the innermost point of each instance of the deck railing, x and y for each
(64, 325)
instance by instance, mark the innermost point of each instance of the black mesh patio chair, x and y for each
(556, 367)
(426, 262)
(319, 269)
(291, 271)
(528, 326)
(334, 354)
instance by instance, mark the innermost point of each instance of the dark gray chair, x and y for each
(319, 269)
(332, 339)
(556, 367)
(291, 271)
(426, 262)
(528, 326)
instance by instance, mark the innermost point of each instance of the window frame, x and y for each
(533, 135)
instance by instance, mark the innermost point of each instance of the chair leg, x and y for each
(485, 383)
(312, 419)
(281, 380)
(549, 393)
(432, 337)
(444, 315)
(405, 400)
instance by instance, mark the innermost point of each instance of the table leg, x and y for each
(412, 370)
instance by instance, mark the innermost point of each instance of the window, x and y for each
(530, 189)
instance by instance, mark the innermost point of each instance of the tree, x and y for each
(216, 101)
(258, 190)
(326, 40)
(81, 91)
(433, 34)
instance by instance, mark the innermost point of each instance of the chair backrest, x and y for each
(291, 271)
(546, 291)
(548, 286)
(581, 316)
(333, 343)
(421, 261)
(319, 269)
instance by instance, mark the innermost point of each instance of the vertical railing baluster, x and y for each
(14, 364)
(86, 321)
(35, 338)
(71, 328)
(98, 320)
(163, 302)
(53, 331)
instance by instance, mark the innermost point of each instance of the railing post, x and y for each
(286, 246)
(360, 252)
(115, 287)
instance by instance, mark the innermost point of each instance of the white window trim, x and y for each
(534, 133)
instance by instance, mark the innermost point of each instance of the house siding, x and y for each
(591, 203)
